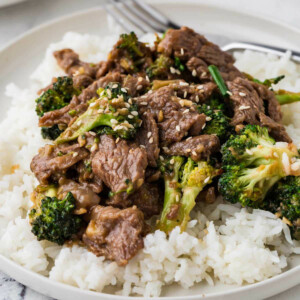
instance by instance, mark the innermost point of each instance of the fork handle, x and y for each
(261, 48)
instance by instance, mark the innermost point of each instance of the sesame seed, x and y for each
(197, 98)
(172, 161)
(149, 134)
(79, 123)
(188, 138)
(123, 90)
(194, 153)
(93, 104)
(142, 146)
(183, 83)
(188, 150)
(275, 154)
(161, 157)
(75, 154)
(130, 116)
(100, 111)
(249, 152)
(114, 121)
(127, 105)
(186, 111)
(229, 93)
(115, 86)
(242, 94)
(206, 180)
(185, 94)
(151, 140)
(208, 118)
(92, 133)
(194, 73)
(94, 147)
(166, 149)
(203, 126)
(178, 128)
(144, 103)
(140, 79)
(135, 113)
(117, 140)
(108, 91)
(200, 87)
(147, 78)
(182, 51)
(203, 74)
(172, 70)
(243, 107)
(295, 166)
(139, 87)
(177, 72)
(130, 101)
(177, 198)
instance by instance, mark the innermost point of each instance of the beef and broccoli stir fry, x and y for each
(150, 132)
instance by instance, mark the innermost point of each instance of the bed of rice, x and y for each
(223, 242)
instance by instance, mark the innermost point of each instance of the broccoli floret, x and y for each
(217, 122)
(182, 187)
(51, 133)
(112, 113)
(284, 200)
(56, 97)
(131, 44)
(253, 163)
(54, 220)
(160, 66)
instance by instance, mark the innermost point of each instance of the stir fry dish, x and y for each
(147, 134)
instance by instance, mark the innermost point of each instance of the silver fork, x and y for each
(136, 15)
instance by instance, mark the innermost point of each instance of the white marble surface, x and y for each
(17, 19)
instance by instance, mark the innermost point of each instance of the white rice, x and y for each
(223, 242)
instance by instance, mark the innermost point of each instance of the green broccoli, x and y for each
(56, 97)
(217, 122)
(51, 133)
(284, 201)
(159, 67)
(253, 163)
(54, 220)
(112, 113)
(131, 44)
(182, 187)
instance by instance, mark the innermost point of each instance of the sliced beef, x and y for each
(152, 174)
(52, 161)
(84, 195)
(176, 117)
(79, 104)
(193, 49)
(69, 61)
(208, 195)
(249, 109)
(121, 166)
(273, 107)
(147, 198)
(148, 137)
(198, 147)
(117, 234)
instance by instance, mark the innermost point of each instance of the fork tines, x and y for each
(138, 16)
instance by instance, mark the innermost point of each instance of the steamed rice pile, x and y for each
(223, 242)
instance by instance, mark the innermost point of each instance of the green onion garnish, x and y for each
(218, 79)
(286, 97)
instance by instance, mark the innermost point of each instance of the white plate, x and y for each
(21, 57)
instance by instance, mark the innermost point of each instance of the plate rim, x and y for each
(6, 263)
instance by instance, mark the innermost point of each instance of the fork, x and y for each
(136, 15)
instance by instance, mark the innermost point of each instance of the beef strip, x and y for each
(152, 174)
(69, 61)
(175, 120)
(84, 195)
(198, 147)
(117, 234)
(249, 109)
(148, 137)
(121, 165)
(52, 161)
(194, 49)
(79, 103)
(208, 195)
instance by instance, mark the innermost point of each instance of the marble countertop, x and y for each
(18, 18)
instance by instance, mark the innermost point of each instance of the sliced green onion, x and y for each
(286, 97)
(218, 79)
